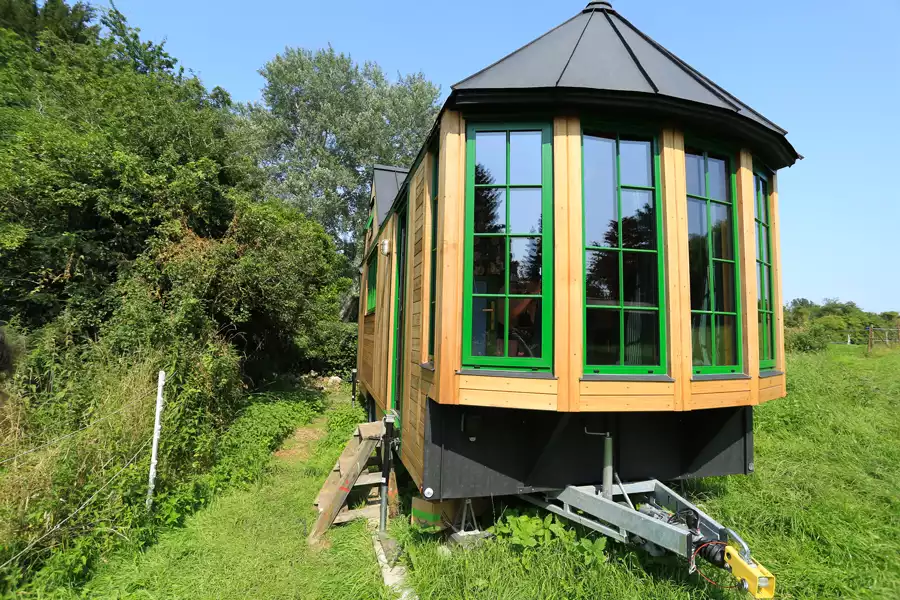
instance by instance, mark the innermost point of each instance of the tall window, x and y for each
(712, 247)
(371, 282)
(434, 246)
(624, 324)
(507, 315)
(765, 296)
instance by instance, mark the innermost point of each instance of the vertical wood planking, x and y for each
(561, 257)
(675, 240)
(575, 267)
(746, 195)
(451, 223)
(778, 300)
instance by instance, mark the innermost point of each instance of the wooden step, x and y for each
(367, 512)
(367, 479)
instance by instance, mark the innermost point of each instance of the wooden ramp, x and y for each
(350, 471)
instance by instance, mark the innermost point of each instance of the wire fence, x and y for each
(868, 336)
(154, 439)
(83, 505)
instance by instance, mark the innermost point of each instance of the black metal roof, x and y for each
(599, 51)
(386, 184)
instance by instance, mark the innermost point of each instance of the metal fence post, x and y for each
(157, 428)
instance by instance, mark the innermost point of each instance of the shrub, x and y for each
(811, 338)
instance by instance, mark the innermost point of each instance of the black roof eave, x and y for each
(769, 145)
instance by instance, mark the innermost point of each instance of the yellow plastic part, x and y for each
(759, 582)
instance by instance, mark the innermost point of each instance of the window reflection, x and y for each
(490, 210)
(641, 338)
(525, 327)
(489, 265)
(638, 220)
(602, 337)
(602, 276)
(490, 152)
(635, 163)
(525, 260)
(601, 225)
(525, 157)
(525, 210)
(487, 326)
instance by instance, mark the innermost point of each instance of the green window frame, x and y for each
(715, 294)
(500, 295)
(371, 282)
(623, 296)
(435, 154)
(764, 275)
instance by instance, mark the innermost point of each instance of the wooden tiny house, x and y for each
(587, 243)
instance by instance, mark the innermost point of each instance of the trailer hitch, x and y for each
(653, 516)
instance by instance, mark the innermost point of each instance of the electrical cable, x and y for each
(77, 510)
(694, 563)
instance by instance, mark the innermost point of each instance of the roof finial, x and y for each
(598, 5)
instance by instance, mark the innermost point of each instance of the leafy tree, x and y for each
(325, 120)
(70, 23)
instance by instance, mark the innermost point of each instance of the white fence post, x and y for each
(157, 427)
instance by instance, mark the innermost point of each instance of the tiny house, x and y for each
(586, 245)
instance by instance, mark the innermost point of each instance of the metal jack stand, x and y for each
(467, 533)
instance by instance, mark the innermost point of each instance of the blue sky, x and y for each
(828, 71)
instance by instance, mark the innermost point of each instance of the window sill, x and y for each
(622, 377)
(429, 366)
(720, 377)
(513, 374)
(770, 373)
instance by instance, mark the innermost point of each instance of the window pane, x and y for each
(641, 338)
(763, 335)
(639, 279)
(525, 266)
(696, 176)
(602, 276)
(525, 157)
(701, 336)
(718, 179)
(525, 210)
(602, 337)
(638, 220)
(490, 157)
(724, 274)
(760, 287)
(763, 209)
(487, 326)
(490, 210)
(764, 243)
(525, 327)
(757, 183)
(635, 163)
(600, 204)
(698, 254)
(489, 265)
(726, 340)
(766, 287)
(720, 217)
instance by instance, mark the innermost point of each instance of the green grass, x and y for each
(252, 543)
(822, 512)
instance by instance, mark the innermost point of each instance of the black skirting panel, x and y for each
(477, 451)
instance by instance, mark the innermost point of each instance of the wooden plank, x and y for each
(508, 384)
(721, 400)
(336, 499)
(627, 403)
(778, 299)
(561, 248)
(507, 400)
(626, 388)
(749, 309)
(451, 224)
(368, 479)
(575, 266)
(720, 386)
(675, 239)
(771, 393)
(770, 382)
(371, 511)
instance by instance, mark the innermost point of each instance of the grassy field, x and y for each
(822, 512)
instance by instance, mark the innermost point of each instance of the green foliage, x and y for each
(837, 319)
(529, 530)
(70, 23)
(812, 338)
(324, 122)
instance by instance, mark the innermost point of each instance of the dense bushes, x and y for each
(811, 338)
